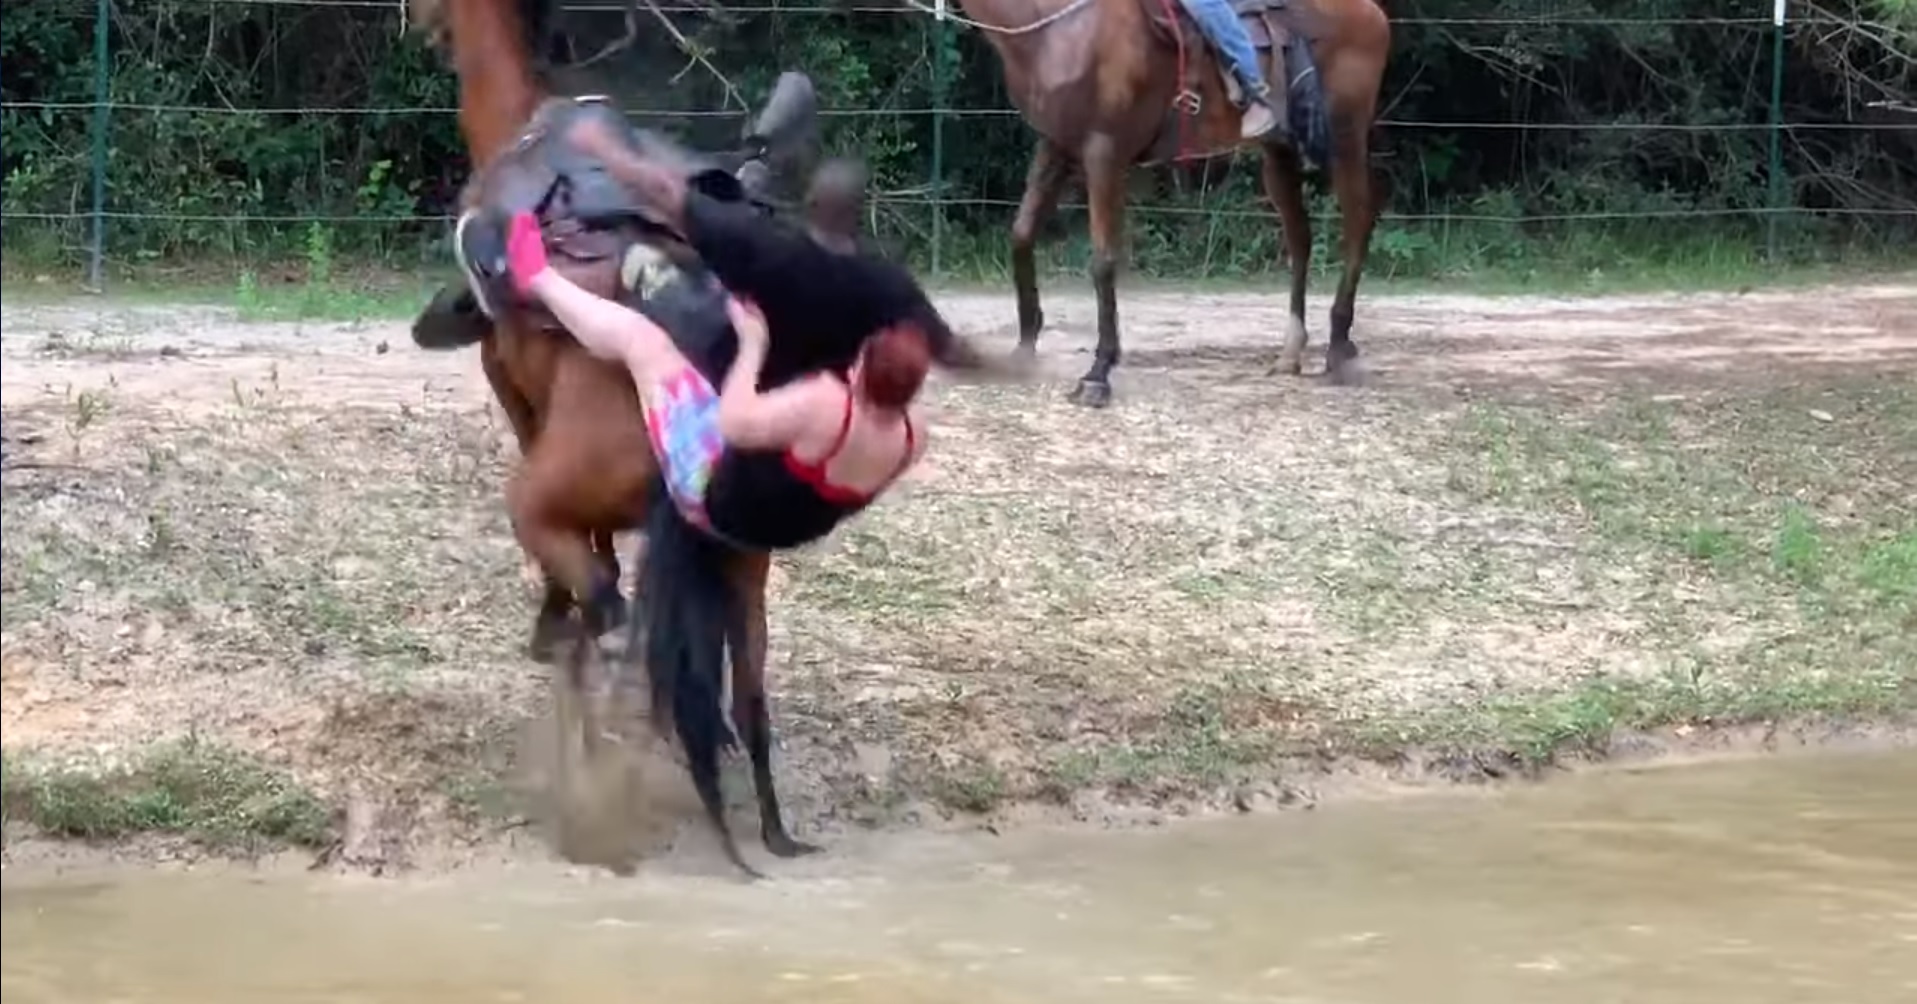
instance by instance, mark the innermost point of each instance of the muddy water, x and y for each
(1789, 880)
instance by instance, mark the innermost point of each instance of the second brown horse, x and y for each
(1096, 79)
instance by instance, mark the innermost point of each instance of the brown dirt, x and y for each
(289, 537)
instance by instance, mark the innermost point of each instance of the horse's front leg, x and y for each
(746, 637)
(1043, 181)
(1105, 189)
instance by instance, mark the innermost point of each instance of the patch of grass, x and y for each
(1208, 735)
(1798, 552)
(260, 536)
(1889, 569)
(215, 797)
(973, 787)
(1539, 729)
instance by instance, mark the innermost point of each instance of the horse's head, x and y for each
(434, 19)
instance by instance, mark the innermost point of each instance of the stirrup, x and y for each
(1188, 101)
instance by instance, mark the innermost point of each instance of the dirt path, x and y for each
(194, 354)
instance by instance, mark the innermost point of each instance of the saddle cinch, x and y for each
(596, 233)
(1281, 33)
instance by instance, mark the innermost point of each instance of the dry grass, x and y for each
(292, 543)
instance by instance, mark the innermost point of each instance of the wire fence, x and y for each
(100, 213)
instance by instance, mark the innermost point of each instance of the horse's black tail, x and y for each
(689, 611)
(1305, 99)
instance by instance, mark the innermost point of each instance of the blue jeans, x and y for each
(1227, 34)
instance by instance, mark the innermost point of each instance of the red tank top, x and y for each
(813, 473)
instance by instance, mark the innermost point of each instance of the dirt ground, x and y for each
(289, 538)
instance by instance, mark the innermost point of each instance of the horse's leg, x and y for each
(541, 499)
(1105, 190)
(1284, 184)
(555, 606)
(1043, 180)
(604, 551)
(750, 716)
(1358, 212)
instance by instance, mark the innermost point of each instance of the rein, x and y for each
(1044, 22)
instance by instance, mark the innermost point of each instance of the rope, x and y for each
(1180, 152)
(1058, 15)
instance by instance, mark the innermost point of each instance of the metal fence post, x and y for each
(939, 28)
(102, 93)
(1778, 195)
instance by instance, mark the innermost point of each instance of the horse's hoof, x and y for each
(1026, 352)
(781, 845)
(1291, 358)
(544, 646)
(1345, 370)
(1091, 394)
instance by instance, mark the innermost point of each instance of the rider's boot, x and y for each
(1259, 120)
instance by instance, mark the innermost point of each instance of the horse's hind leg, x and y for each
(551, 623)
(544, 521)
(606, 554)
(1284, 184)
(1043, 180)
(1351, 177)
(750, 716)
(1105, 190)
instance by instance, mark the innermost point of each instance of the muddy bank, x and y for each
(366, 834)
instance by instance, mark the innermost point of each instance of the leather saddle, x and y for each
(1281, 33)
(596, 233)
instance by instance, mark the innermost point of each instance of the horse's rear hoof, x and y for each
(1345, 371)
(781, 845)
(1091, 394)
(1291, 357)
(544, 646)
(1288, 364)
(738, 861)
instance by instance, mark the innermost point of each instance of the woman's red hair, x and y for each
(892, 366)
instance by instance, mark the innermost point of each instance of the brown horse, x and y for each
(542, 381)
(1099, 80)
(587, 465)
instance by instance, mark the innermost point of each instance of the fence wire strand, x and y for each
(911, 198)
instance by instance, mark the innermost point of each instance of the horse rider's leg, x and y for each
(1233, 44)
(750, 716)
(1043, 181)
(1284, 185)
(1105, 189)
(1354, 183)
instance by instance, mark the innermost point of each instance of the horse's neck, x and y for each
(1014, 16)
(497, 93)
(1038, 61)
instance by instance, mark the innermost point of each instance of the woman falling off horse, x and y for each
(761, 470)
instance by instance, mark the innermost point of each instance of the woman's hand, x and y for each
(748, 321)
